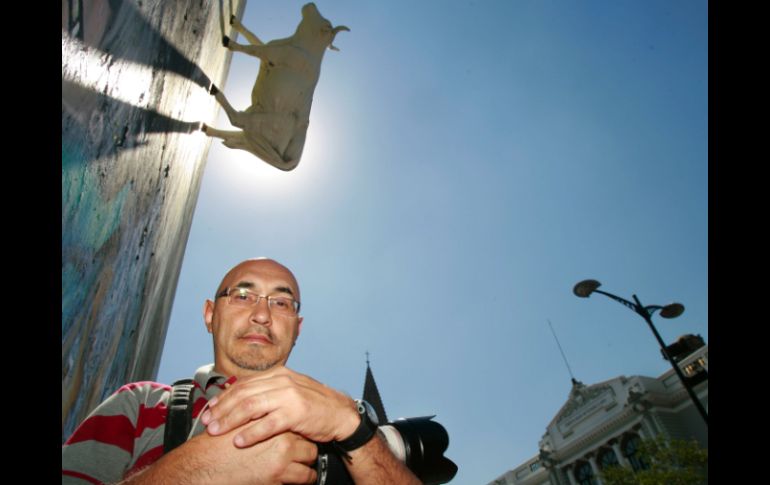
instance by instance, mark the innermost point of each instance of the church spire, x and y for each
(372, 395)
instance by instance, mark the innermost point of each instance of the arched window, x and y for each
(584, 474)
(607, 458)
(631, 450)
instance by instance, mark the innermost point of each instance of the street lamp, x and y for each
(672, 310)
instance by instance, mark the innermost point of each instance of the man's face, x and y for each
(253, 338)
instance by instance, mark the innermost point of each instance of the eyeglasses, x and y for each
(245, 298)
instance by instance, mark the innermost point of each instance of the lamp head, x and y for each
(585, 288)
(672, 310)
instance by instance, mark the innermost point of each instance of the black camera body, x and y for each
(418, 442)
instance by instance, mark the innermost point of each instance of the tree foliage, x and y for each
(672, 462)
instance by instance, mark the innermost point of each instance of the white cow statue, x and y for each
(274, 127)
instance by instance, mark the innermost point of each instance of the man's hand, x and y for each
(204, 459)
(279, 401)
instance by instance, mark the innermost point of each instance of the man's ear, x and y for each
(208, 313)
(299, 327)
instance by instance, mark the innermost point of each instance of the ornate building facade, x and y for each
(602, 424)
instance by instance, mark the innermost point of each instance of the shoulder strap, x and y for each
(179, 417)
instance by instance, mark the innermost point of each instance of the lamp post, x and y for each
(584, 289)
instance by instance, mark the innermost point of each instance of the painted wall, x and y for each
(134, 88)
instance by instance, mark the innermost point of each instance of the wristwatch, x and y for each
(366, 429)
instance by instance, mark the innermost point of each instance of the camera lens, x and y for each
(417, 442)
(424, 442)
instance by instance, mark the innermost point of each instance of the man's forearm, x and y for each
(375, 464)
(284, 458)
(177, 467)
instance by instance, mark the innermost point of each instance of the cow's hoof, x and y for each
(213, 90)
(203, 127)
(232, 19)
(225, 40)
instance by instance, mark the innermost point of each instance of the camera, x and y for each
(418, 442)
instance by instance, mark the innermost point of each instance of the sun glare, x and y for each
(239, 173)
(100, 72)
(128, 81)
(246, 174)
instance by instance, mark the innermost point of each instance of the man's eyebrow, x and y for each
(283, 289)
(277, 289)
(242, 284)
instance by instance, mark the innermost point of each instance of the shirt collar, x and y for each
(209, 381)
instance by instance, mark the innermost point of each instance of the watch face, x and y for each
(369, 410)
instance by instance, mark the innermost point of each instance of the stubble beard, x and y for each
(250, 364)
(253, 358)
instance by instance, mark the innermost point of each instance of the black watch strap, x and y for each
(365, 431)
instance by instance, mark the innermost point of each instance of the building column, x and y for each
(642, 429)
(571, 475)
(656, 424)
(595, 468)
(619, 454)
(650, 426)
(555, 476)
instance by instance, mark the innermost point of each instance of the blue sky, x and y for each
(466, 164)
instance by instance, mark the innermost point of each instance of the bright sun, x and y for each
(243, 173)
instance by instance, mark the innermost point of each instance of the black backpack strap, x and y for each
(179, 417)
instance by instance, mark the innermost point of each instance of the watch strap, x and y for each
(363, 434)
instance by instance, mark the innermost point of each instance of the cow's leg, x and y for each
(263, 52)
(237, 118)
(211, 131)
(231, 139)
(238, 26)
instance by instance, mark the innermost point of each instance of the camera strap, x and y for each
(179, 414)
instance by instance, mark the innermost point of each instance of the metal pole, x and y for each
(643, 312)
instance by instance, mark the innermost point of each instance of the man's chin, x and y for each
(256, 365)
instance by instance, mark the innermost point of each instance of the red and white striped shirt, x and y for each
(125, 433)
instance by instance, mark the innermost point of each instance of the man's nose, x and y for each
(260, 312)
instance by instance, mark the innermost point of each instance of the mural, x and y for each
(133, 93)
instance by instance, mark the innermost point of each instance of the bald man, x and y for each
(254, 420)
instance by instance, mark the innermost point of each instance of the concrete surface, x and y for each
(134, 80)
